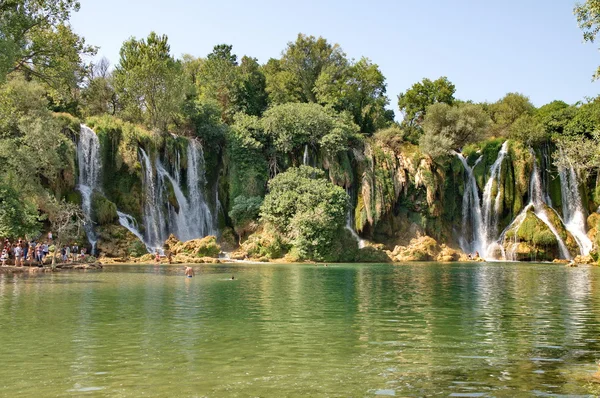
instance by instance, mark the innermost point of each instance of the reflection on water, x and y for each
(298, 330)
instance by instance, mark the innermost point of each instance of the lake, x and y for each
(461, 330)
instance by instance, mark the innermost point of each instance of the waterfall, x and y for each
(200, 218)
(130, 223)
(572, 209)
(538, 202)
(88, 157)
(305, 158)
(490, 218)
(471, 212)
(154, 221)
(348, 226)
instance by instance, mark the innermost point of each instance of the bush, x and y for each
(136, 249)
(103, 210)
(306, 209)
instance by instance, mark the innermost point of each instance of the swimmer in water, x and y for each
(189, 272)
(232, 277)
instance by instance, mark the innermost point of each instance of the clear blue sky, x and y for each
(486, 48)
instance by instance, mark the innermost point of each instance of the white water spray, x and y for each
(88, 157)
(572, 209)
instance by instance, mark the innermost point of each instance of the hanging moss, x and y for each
(103, 210)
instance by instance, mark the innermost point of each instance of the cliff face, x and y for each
(498, 198)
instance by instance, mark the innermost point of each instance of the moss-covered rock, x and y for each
(423, 248)
(117, 241)
(103, 210)
(447, 254)
(203, 247)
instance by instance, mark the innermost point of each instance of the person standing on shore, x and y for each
(18, 250)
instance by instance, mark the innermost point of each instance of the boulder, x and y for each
(117, 241)
(204, 247)
(447, 254)
(423, 248)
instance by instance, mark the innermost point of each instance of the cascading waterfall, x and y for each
(130, 223)
(155, 228)
(201, 219)
(471, 212)
(490, 216)
(192, 218)
(349, 219)
(538, 203)
(572, 209)
(88, 157)
(305, 158)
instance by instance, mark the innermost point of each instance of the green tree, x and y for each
(507, 110)
(18, 215)
(149, 82)
(359, 90)
(251, 95)
(292, 126)
(308, 210)
(35, 39)
(98, 97)
(448, 128)
(217, 79)
(528, 129)
(414, 102)
(588, 18)
(294, 77)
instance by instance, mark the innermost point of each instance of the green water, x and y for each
(468, 330)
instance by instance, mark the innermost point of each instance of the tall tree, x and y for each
(217, 77)
(414, 102)
(149, 81)
(360, 90)
(35, 39)
(507, 110)
(251, 95)
(301, 65)
(448, 128)
(588, 18)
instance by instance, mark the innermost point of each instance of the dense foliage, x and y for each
(260, 125)
(308, 210)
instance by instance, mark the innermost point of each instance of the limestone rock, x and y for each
(448, 254)
(423, 248)
(204, 247)
(116, 241)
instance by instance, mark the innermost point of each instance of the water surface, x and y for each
(462, 330)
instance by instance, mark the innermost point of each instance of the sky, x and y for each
(486, 48)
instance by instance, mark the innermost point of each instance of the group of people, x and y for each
(22, 252)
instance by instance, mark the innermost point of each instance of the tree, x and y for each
(98, 96)
(149, 82)
(588, 18)
(35, 39)
(67, 220)
(294, 77)
(292, 126)
(528, 129)
(448, 128)
(18, 215)
(507, 110)
(308, 210)
(251, 96)
(359, 90)
(244, 213)
(414, 102)
(217, 78)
